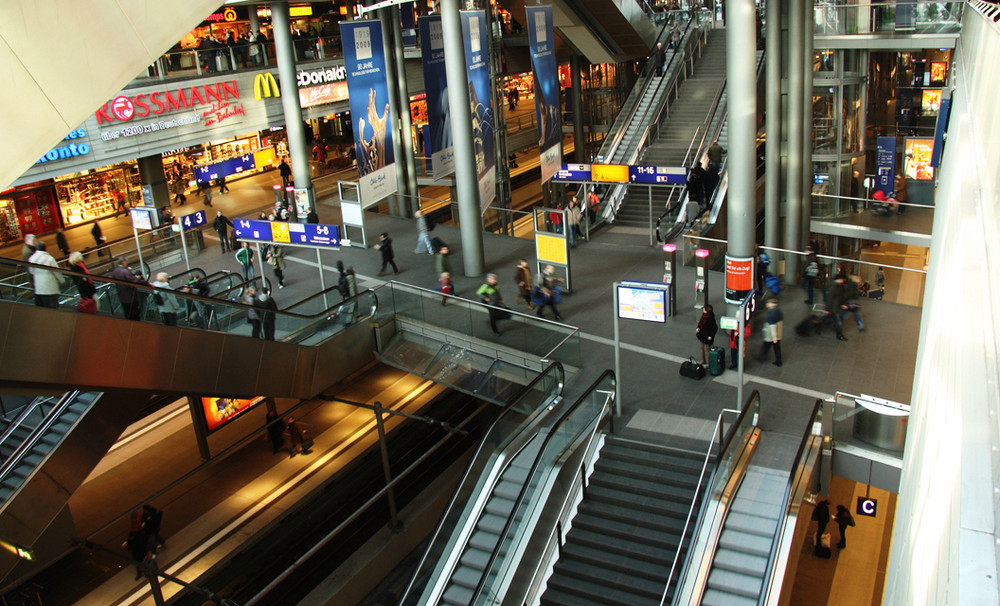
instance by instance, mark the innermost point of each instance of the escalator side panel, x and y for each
(81, 351)
(30, 512)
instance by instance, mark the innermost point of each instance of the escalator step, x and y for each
(475, 558)
(467, 577)
(743, 563)
(500, 506)
(714, 597)
(457, 595)
(485, 541)
(745, 543)
(733, 582)
(751, 524)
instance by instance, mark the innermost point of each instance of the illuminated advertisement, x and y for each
(219, 411)
(930, 102)
(918, 159)
(939, 71)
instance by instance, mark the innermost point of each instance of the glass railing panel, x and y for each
(504, 381)
(411, 350)
(580, 421)
(887, 17)
(520, 416)
(459, 367)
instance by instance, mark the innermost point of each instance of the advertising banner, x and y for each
(219, 411)
(885, 164)
(739, 278)
(481, 100)
(918, 159)
(442, 151)
(546, 84)
(364, 60)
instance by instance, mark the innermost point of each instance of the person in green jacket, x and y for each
(489, 293)
(245, 256)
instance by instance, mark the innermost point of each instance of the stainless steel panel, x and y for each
(239, 365)
(343, 355)
(42, 346)
(276, 373)
(99, 350)
(196, 366)
(149, 355)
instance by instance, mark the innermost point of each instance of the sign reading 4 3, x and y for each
(194, 220)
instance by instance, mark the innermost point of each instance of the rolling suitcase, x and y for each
(716, 361)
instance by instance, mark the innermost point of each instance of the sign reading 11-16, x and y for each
(291, 234)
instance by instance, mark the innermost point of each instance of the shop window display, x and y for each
(94, 195)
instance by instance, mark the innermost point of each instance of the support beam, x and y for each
(772, 125)
(793, 188)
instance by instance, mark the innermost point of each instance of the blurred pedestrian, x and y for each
(30, 246)
(843, 520)
(445, 287)
(275, 257)
(297, 435)
(61, 242)
(547, 292)
(47, 283)
(821, 514)
(275, 431)
(442, 262)
(423, 228)
(268, 307)
(166, 302)
(489, 293)
(99, 238)
(388, 257)
(773, 324)
(128, 295)
(707, 327)
(253, 317)
(522, 277)
(245, 258)
(152, 519)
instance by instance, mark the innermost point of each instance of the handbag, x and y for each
(307, 443)
(692, 369)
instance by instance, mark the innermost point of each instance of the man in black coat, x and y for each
(222, 225)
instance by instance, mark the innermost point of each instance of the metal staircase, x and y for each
(627, 530)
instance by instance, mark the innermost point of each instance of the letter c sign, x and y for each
(867, 507)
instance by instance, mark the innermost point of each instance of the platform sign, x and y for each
(194, 220)
(309, 235)
(867, 507)
(232, 166)
(573, 172)
(253, 229)
(657, 175)
(729, 322)
(609, 173)
(550, 249)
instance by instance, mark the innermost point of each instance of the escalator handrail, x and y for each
(557, 369)
(15, 458)
(793, 479)
(23, 415)
(727, 440)
(566, 414)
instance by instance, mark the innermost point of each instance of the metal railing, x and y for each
(524, 413)
(25, 447)
(773, 577)
(36, 405)
(887, 18)
(582, 419)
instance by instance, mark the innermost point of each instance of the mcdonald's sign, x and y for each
(264, 85)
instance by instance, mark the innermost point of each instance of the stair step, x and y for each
(583, 591)
(625, 582)
(645, 503)
(678, 489)
(608, 511)
(662, 555)
(635, 471)
(734, 582)
(634, 531)
(599, 557)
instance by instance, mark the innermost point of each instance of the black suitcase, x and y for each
(692, 369)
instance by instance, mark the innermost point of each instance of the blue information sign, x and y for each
(314, 234)
(657, 175)
(232, 166)
(252, 229)
(573, 172)
(194, 220)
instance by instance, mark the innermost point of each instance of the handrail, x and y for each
(607, 407)
(751, 399)
(26, 446)
(694, 501)
(557, 369)
(23, 415)
(792, 481)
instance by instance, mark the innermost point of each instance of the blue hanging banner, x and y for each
(364, 60)
(885, 164)
(481, 99)
(546, 85)
(407, 18)
(439, 144)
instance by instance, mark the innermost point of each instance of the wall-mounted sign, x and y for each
(232, 166)
(264, 85)
(335, 73)
(214, 96)
(67, 151)
(867, 507)
(918, 159)
(219, 411)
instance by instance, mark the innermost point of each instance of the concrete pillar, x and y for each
(466, 177)
(405, 156)
(793, 186)
(807, 131)
(772, 124)
(741, 90)
(254, 22)
(398, 201)
(151, 174)
(579, 143)
(285, 57)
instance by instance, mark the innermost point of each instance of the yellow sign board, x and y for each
(609, 173)
(265, 157)
(550, 249)
(279, 232)
(300, 11)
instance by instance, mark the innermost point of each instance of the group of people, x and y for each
(843, 519)
(771, 331)
(277, 428)
(230, 51)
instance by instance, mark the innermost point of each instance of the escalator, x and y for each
(749, 523)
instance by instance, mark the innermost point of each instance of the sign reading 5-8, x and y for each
(194, 220)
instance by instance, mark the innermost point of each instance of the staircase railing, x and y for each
(26, 412)
(50, 419)
(575, 426)
(546, 387)
(735, 443)
(798, 478)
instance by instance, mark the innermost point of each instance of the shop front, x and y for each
(28, 209)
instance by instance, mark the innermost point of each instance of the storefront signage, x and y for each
(336, 73)
(292, 234)
(67, 151)
(325, 93)
(216, 97)
(918, 159)
(264, 85)
(227, 15)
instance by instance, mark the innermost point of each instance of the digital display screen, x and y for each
(939, 71)
(646, 304)
(930, 101)
(219, 411)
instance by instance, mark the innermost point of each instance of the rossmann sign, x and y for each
(124, 108)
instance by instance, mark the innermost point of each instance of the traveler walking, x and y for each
(522, 277)
(546, 292)
(385, 247)
(423, 227)
(489, 293)
(297, 435)
(166, 303)
(275, 257)
(773, 324)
